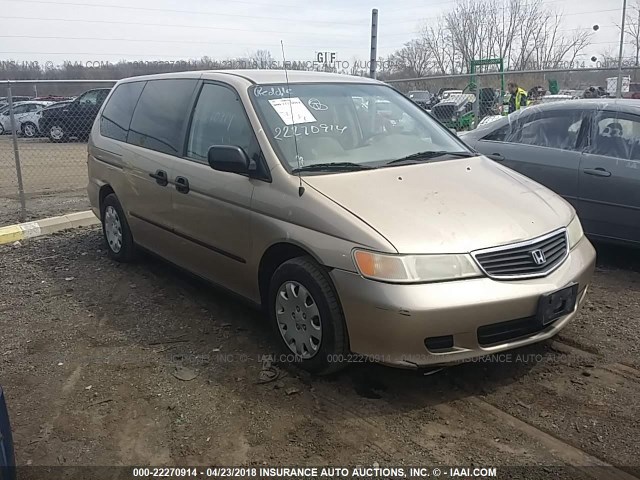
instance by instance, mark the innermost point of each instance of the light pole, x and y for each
(624, 17)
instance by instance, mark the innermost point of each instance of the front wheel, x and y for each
(57, 133)
(115, 229)
(307, 316)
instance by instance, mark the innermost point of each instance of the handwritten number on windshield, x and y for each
(271, 91)
(306, 130)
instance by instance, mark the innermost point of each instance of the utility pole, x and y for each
(374, 43)
(624, 17)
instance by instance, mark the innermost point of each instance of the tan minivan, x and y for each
(362, 226)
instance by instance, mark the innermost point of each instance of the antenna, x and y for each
(295, 139)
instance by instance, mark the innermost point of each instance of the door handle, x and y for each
(182, 185)
(598, 172)
(496, 156)
(161, 177)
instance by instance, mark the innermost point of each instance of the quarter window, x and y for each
(160, 114)
(616, 135)
(117, 114)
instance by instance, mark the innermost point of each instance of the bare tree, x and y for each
(438, 42)
(413, 57)
(261, 59)
(632, 29)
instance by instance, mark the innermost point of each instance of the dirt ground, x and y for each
(90, 350)
(54, 178)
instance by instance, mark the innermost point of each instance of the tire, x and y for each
(57, 133)
(1, 129)
(30, 130)
(116, 231)
(329, 349)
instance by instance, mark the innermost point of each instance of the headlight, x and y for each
(574, 232)
(414, 268)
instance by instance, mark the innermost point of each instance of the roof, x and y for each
(261, 76)
(623, 105)
(28, 102)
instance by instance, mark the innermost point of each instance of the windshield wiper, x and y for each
(430, 155)
(328, 167)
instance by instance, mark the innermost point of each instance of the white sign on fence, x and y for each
(612, 85)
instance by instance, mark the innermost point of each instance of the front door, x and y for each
(84, 111)
(211, 209)
(544, 146)
(610, 177)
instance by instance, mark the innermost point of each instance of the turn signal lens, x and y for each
(414, 268)
(574, 232)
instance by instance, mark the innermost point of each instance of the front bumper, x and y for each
(390, 323)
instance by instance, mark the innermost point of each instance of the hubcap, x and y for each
(56, 132)
(113, 229)
(29, 130)
(298, 319)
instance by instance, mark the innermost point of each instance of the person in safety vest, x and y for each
(518, 97)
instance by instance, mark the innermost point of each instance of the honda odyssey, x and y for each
(363, 234)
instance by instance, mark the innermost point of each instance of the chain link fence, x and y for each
(44, 127)
(452, 98)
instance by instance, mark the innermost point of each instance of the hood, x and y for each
(453, 206)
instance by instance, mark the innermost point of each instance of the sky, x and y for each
(112, 30)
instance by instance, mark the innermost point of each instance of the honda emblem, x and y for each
(538, 257)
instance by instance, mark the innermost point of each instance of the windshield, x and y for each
(347, 124)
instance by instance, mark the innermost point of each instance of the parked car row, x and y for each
(26, 116)
(60, 121)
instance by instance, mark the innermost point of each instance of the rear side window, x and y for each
(616, 135)
(160, 114)
(117, 114)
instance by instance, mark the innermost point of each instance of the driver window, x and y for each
(220, 119)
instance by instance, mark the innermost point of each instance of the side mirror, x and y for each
(229, 158)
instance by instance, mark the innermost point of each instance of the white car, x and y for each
(26, 115)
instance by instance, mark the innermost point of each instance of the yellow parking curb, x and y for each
(22, 231)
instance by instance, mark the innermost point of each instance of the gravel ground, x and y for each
(91, 352)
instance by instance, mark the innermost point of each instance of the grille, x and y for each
(510, 330)
(518, 260)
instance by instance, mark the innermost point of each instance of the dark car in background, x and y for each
(455, 111)
(422, 98)
(7, 457)
(588, 151)
(75, 119)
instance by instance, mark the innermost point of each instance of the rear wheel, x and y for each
(116, 230)
(307, 316)
(29, 130)
(57, 133)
